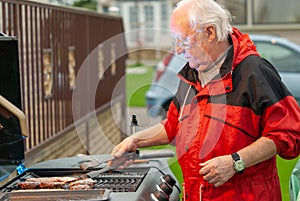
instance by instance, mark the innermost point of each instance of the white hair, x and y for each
(208, 12)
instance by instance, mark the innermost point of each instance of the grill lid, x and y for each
(13, 130)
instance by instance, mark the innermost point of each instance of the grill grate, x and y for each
(126, 180)
(122, 181)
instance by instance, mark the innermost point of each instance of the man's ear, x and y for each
(210, 33)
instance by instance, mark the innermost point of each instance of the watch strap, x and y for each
(235, 156)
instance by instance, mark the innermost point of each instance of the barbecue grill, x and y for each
(138, 182)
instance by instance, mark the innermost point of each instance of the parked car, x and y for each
(282, 53)
(164, 85)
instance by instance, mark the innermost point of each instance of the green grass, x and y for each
(138, 84)
(285, 168)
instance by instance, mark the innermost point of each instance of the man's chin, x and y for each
(198, 67)
(194, 66)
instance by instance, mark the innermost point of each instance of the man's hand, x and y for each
(152, 136)
(127, 145)
(217, 170)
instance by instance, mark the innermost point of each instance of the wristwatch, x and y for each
(238, 163)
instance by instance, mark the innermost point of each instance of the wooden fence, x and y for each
(54, 45)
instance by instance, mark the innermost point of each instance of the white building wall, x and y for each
(146, 34)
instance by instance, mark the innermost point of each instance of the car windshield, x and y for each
(283, 58)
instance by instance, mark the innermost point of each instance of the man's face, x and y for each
(191, 43)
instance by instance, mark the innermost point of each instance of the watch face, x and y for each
(239, 165)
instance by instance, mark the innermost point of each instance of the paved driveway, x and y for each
(143, 118)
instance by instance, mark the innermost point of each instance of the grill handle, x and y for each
(156, 154)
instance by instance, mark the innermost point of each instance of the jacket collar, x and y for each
(242, 46)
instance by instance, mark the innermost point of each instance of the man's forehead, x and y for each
(180, 26)
(180, 22)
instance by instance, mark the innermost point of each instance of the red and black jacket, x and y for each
(245, 102)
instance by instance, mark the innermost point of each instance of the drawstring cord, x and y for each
(180, 119)
(183, 191)
(200, 192)
(184, 195)
(184, 101)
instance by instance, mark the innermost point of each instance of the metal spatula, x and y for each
(117, 162)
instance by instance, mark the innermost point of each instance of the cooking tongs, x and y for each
(117, 162)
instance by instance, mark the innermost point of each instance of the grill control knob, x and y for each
(168, 179)
(166, 188)
(159, 196)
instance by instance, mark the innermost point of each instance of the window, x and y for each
(133, 16)
(263, 11)
(164, 15)
(149, 22)
(276, 11)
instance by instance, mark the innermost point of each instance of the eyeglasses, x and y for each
(185, 43)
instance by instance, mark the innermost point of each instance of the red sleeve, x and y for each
(171, 123)
(281, 123)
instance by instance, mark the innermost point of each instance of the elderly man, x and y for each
(231, 114)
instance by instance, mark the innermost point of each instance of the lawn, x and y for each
(285, 168)
(138, 82)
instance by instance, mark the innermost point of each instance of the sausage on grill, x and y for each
(57, 183)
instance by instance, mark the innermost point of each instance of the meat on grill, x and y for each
(53, 179)
(40, 185)
(71, 183)
(87, 183)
